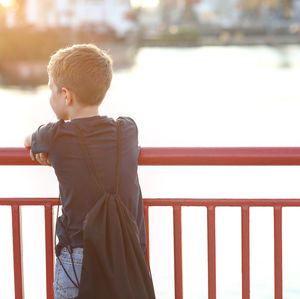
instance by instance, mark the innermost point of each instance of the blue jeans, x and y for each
(62, 286)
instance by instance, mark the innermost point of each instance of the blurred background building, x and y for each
(126, 17)
(76, 14)
(32, 29)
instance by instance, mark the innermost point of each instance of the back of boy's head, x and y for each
(84, 69)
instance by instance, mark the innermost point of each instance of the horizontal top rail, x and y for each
(216, 202)
(187, 156)
(30, 201)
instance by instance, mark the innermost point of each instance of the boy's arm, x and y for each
(41, 140)
(42, 158)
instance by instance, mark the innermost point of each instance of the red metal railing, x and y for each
(173, 156)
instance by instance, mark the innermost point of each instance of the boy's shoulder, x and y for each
(44, 137)
(127, 121)
(124, 121)
(61, 126)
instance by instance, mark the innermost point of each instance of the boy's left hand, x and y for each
(42, 158)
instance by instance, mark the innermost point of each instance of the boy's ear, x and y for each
(68, 96)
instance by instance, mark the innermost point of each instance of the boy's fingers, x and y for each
(37, 157)
(42, 158)
(32, 155)
(45, 155)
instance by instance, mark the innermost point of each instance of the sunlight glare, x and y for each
(6, 3)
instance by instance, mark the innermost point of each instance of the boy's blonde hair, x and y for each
(84, 69)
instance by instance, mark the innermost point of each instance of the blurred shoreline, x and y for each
(30, 69)
(192, 37)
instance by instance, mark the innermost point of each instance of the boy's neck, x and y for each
(88, 111)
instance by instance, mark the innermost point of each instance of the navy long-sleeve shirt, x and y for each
(78, 190)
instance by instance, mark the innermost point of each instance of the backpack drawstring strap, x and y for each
(69, 247)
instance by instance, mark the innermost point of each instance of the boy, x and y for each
(79, 77)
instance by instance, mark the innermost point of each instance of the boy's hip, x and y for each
(62, 285)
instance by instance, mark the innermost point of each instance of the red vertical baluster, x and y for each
(146, 217)
(177, 252)
(49, 251)
(245, 253)
(211, 252)
(17, 238)
(278, 251)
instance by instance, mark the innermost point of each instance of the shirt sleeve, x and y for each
(42, 138)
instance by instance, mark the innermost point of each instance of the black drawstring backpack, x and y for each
(114, 265)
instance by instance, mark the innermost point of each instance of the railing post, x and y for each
(211, 252)
(17, 249)
(245, 253)
(49, 250)
(278, 252)
(177, 252)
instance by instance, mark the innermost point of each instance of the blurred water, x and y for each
(206, 97)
